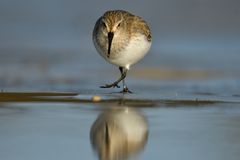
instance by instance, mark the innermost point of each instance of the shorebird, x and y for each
(122, 39)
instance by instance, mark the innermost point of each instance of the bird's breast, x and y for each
(131, 52)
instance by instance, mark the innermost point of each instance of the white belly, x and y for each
(134, 51)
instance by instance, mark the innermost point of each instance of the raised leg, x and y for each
(115, 84)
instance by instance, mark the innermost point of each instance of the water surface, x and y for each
(58, 126)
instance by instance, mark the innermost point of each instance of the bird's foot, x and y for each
(113, 85)
(126, 90)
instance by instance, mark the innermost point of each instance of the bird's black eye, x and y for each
(119, 25)
(104, 24)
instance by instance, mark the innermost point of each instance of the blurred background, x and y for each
(192, 70)
(47, 45)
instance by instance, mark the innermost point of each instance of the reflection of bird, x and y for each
(119, 133)
(122, 39)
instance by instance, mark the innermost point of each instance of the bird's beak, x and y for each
(110, 37)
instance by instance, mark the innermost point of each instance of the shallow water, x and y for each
(58, 126)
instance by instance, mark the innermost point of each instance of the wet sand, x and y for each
(129, 99)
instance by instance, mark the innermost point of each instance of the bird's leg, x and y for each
(125, 88)
(115, 84)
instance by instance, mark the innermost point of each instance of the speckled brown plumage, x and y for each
(122, 39)
(133, 24)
